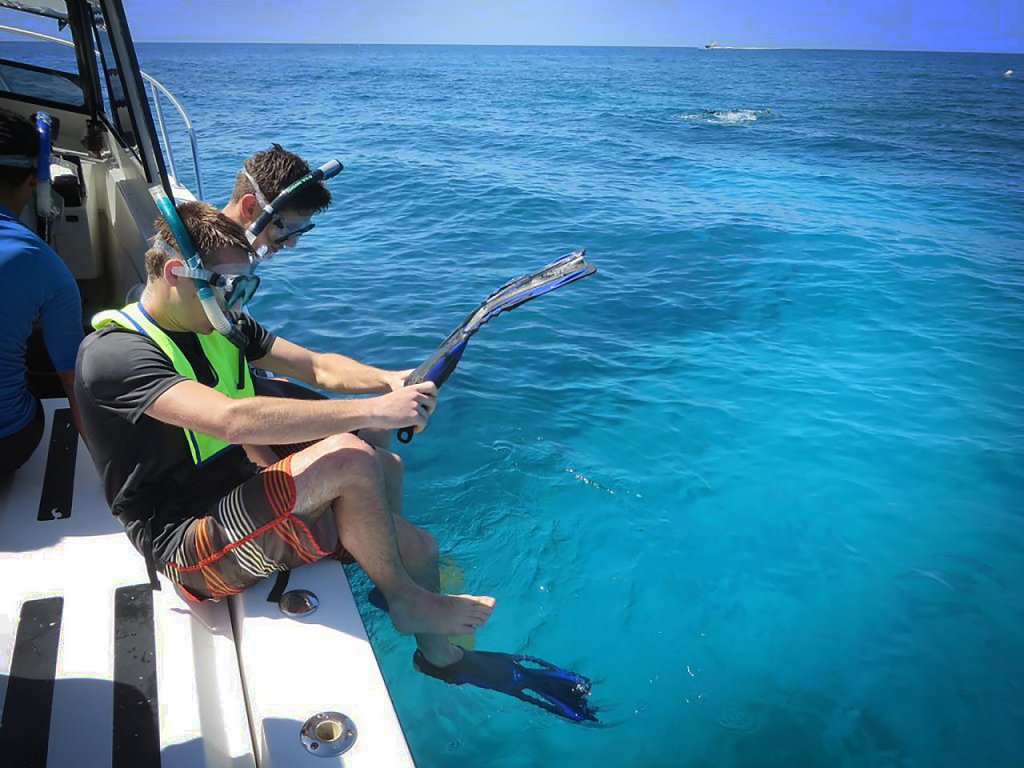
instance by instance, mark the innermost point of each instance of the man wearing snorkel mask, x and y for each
(275, 197)
(262, 178)
(169, 404)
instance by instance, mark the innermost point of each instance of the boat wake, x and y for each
(727, 116)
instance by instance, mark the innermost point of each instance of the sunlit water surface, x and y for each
(761, 478)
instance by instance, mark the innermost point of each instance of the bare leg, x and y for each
(260, 455)
(345, 472)
(419, 553)
(394, 471)
(390, 463)
(417, 547)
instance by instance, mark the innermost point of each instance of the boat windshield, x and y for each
(35, 70)
(40, 72)
(54, 9)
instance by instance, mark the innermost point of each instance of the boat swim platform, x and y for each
(97, 669)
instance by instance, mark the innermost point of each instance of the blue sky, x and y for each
(943, 25)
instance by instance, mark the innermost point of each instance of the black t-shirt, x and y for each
(145, 465)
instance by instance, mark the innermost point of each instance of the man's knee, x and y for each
(349, 457)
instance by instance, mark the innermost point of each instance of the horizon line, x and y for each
(572, 45)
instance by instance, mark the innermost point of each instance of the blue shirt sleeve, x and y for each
(61, 315)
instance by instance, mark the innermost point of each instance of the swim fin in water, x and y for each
(557, 690)
(441, 364)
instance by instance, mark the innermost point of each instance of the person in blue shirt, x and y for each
(35, 286)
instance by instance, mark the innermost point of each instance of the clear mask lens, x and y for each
(236, 290)
(297, 229)
(232, 291)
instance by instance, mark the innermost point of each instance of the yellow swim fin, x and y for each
(453, 582)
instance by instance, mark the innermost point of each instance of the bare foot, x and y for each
(430, 613)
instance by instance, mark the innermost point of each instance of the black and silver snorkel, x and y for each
(328, 170)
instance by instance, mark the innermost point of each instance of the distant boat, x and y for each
(714, 46)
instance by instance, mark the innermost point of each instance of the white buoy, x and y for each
(1008, 73)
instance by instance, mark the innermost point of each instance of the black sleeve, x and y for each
(260, 340)
(123, 372)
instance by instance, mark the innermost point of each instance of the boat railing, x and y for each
(156, 89)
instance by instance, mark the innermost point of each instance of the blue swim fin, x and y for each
(441, 363)
(557, 690)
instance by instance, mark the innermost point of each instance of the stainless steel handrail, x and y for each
(154, 85)
(156, 89)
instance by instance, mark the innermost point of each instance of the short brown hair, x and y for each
(274, 169)
(210, 230)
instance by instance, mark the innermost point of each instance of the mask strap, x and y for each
(186, 271)
(263, 252)
(167, 248)
(195, 274)
(256, 189)
(17, 161)
(200, 273)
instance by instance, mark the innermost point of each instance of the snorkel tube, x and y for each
(44, 203)
(214, 313)
(328, 170)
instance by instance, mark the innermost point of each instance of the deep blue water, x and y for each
(761, 477)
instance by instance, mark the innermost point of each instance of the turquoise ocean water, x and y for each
(762, 477)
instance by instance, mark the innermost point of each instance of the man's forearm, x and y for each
(337, 373)
(275, 420)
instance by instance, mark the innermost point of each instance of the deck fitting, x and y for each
(298, 603)
(328, 734)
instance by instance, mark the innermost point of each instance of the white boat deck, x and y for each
(96, 669)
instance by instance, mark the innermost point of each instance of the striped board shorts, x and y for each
(250, 533)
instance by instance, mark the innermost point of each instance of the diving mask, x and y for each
(285, 232)
(233, 290)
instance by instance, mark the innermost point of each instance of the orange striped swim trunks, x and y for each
(250, 533)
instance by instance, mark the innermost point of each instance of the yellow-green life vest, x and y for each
(222, 355)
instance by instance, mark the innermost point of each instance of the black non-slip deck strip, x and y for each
(59, 478)
(136, 734)
(25, 726)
